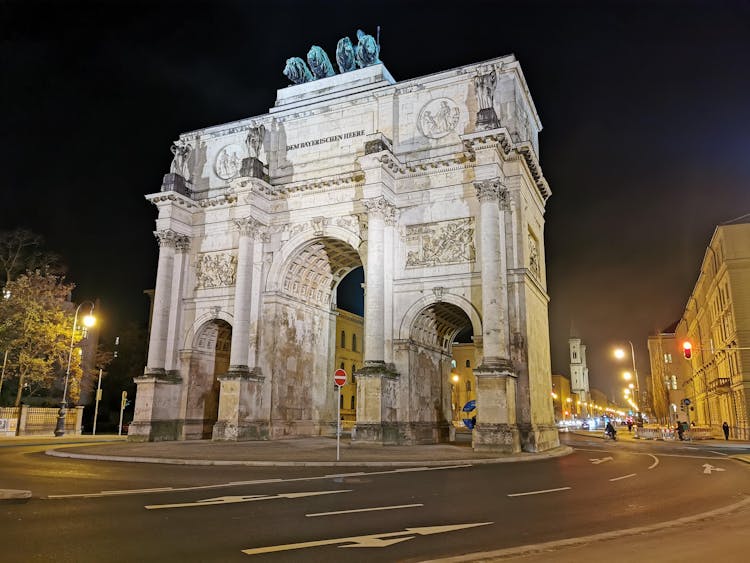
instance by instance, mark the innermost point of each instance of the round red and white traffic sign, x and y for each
(339, 377)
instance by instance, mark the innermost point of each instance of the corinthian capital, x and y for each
(379, 206)
(166, 238)
(250, 227)
(182, 243)
(490, 190)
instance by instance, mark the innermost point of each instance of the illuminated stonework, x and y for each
(431, 185)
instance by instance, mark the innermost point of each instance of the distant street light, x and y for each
(620, 354)
(89, 320)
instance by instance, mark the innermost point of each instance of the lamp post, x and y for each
(620, 354)
(88, 320)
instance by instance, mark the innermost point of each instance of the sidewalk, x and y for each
(292, 452)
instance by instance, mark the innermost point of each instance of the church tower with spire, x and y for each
(579, 372)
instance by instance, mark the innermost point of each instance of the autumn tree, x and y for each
(36, 329)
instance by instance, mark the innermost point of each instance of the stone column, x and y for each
(157, 348)
(496, 428)
(238, 363)
(375, 381)
(157, 403)
(241, 415)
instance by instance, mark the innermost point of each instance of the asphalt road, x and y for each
(103, 511)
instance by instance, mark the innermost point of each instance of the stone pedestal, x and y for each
(175, 183)
(487, 119)
(376, 405)
(240, 416)
(538, 437)
(253, 168)
(496, 428)
(156, 415)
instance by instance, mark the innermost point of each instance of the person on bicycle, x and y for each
(610, 430)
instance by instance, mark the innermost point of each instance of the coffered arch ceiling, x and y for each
(315, 271)
(438, 324)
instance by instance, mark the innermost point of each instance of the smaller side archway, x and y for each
(424, 358)
(209, 358)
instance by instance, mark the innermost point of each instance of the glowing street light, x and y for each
(89, 321)
(620, 354)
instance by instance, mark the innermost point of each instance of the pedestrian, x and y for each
(725, 428)
(630, 425)
(680, 430)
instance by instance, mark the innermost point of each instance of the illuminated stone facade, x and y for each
(433, 185)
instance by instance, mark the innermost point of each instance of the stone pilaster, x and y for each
(389, 238)
(376, 406)
(182, 247)
(249, 229)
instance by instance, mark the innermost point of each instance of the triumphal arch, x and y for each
(432, 185)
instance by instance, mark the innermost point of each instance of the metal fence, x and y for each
(37, 421)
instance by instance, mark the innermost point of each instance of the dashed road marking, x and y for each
(373, 509)
(539, 492)
(623, 477)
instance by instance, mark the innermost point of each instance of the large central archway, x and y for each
(298, 346)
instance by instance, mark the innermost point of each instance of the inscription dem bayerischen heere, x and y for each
(324, 140)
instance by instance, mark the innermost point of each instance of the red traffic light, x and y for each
(687, 350)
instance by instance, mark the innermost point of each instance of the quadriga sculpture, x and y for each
(345, 56)
(297, 72)
(368, 50)
(320, 64)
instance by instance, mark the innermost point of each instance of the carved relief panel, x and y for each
(444, 242)
(216, 269)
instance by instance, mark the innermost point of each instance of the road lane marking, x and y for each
(708, 468)
(601, 460)
(374, 540)
(252, 482)
(623, 477)
(718, 453)
(539, 492)
(247, 498)
(396, 507)
(656, 461)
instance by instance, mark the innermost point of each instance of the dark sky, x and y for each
(646, 139)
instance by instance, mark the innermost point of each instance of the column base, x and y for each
(156, 407)
(538, 437)
(155, 431)
(500, 438)
(383, 434)
(240, 406)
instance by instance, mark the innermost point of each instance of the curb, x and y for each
(549, 547)
(14, 494)
(557, 452)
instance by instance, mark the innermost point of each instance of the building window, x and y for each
(354, 342)
(667, 358)
(341, 401)
(343, 339)
(575, 355)
(468, 385)
(453, 364)
(468, 364)
(352, 402)
(342, 365)
(674, 382)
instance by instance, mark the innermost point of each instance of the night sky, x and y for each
(644, 107)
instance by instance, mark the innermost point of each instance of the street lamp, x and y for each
(89, 320)
(620, 354)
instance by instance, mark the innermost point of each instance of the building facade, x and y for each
(463, 382)
(579, 373)
(349, 342)
(432, 185)
(716, 321)
(667, 377)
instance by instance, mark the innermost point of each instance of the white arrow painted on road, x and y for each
(236, 499)
(708, 468)
(601, 460)
(373, 540)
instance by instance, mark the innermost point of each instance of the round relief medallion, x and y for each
(228, 162)
(438, 118)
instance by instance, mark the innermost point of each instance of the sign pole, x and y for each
(338, 420)
(98, 398)
(339, 379)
